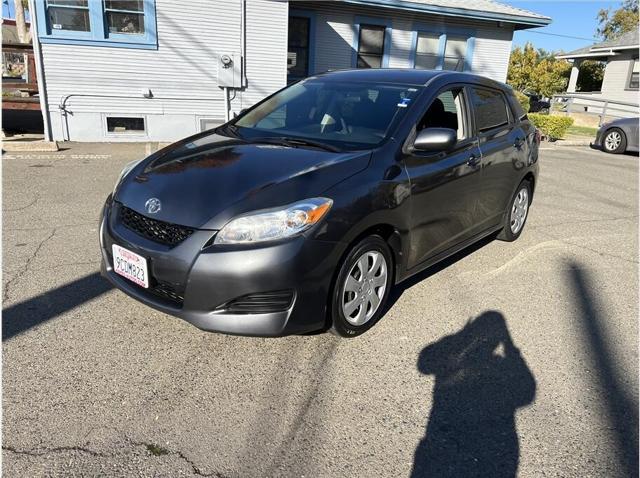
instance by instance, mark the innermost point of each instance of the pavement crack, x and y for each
(58, 449)
(157, 450)
(25, 268)
(22, 208)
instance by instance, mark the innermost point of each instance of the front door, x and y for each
(444, 186)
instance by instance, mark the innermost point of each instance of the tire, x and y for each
(515, 217)
(614, 141)
(352, 298)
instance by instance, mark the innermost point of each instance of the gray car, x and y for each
(618, 136)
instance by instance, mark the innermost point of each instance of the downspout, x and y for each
(243, 41)
(42, 86)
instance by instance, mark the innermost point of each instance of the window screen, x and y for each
(427, 49)
(69, 15)
(490, 109)
(634, 79)
(124, 16)
(371, 46)
(455, 53)
(298, 50)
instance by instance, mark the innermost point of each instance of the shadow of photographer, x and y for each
(480, 381)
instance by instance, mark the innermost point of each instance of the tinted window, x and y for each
(371, 46)
(346, 114)
(490, 109)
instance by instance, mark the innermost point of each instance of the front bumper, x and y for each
(597, 143)
(197, 283)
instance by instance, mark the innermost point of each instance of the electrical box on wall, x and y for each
(230, 70)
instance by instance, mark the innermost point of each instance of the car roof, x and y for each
(407, 76)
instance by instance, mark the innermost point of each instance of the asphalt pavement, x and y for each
(512, 356)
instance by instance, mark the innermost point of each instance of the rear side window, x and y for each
(490, 109)
(517, 108)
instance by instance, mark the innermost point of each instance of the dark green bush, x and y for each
(552, 126)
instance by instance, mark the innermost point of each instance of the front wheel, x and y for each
(515, 216)
(614, 141)
(361, 288)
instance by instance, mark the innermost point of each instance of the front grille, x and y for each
(262, 303)
(152, 229)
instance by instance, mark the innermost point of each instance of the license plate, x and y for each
(130, 265)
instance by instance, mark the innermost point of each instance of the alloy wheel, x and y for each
(364, 287)
(613, 140)
(519, 210)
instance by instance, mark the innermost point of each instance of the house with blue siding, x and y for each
(160, 70)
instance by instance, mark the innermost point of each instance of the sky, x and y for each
(575, 19)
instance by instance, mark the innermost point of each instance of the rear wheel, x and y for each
(362, 287)
(614, 141)
(515, 216)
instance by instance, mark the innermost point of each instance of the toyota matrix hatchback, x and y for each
(303, 212)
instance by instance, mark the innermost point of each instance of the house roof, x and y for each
(476, 9)
(606, 48)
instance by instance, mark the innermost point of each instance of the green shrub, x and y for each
(552, 126)
(523, 100)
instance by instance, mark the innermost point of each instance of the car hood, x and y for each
(204, 181)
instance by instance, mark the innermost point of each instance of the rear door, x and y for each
(503, 147)
(444, 186)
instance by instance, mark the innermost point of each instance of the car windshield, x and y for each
(344, 115)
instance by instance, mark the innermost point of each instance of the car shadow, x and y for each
(480, 382)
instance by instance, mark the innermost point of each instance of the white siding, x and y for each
(181, 73)
(335, 37)
(492, 52)
(616, 79)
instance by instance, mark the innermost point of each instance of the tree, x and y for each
(24, 35)
(614, 24)
(537, 71)
(591, 76)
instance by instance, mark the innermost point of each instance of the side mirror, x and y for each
(435, 140)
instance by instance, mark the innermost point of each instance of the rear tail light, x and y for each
(538, 136)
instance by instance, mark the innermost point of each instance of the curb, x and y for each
(34, 146)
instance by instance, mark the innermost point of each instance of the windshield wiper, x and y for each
(296, 142)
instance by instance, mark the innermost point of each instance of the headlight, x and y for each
(274, 224)
(126, 170)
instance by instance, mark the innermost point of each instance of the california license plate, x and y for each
(130, 265)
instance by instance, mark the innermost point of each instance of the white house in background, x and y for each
(619, 88)
(159, 70)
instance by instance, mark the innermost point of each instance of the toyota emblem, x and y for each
(153, 205)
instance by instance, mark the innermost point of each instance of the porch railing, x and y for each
(594, 105)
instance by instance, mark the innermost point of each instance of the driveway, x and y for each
(513, 355)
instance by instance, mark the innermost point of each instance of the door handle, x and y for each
(473, 160)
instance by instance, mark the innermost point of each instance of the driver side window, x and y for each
(446, 111)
